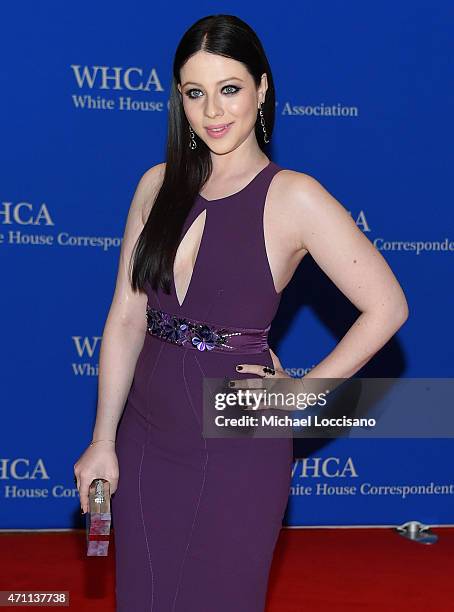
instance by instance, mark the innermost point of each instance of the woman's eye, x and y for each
(232, 87)
(228, 87)
(189, 93)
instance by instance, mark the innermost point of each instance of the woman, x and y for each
(213, 236)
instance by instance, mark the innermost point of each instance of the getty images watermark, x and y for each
(328, 407)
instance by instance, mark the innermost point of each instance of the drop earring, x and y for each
(262, 121)
(192, 142)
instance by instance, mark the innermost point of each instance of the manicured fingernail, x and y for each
(239, 367)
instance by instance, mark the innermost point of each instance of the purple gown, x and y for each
(196, 519)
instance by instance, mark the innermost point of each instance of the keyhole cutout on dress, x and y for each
(186, 257)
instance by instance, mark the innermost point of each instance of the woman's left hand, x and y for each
(276, 372)
(264, 371)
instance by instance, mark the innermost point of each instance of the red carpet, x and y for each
(314, 570)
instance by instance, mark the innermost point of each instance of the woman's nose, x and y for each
(213, 107)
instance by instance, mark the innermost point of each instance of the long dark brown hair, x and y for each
(187, 170)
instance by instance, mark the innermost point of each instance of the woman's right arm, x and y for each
(122, 340)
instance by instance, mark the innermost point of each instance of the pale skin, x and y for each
(300, 217)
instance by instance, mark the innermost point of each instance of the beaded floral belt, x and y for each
(204, 336)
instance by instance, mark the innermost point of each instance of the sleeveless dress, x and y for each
(196, 519)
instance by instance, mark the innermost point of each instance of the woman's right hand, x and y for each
(98, 461)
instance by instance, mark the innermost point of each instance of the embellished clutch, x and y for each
(98, 518)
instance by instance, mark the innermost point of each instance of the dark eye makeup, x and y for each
(189, 91)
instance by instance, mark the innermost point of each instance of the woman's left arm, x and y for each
(326, 229)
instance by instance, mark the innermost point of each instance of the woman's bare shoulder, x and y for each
(148, 187)
(294, 183)
(307, 205)
(301, 193)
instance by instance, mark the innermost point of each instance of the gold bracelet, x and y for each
(100, 441)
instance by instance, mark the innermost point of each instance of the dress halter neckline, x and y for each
(259, 173)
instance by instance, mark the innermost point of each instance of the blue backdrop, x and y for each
(364, 104)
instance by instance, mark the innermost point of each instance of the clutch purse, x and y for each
(98, 518)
